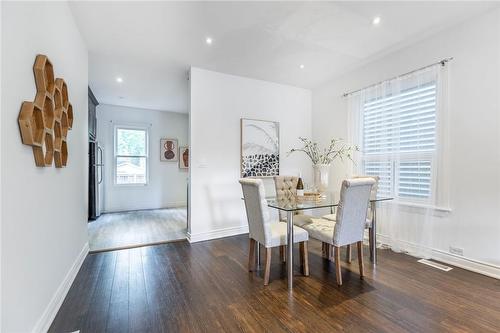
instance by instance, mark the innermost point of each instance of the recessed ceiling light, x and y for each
(376, 20)
(119, 80)
(208, 40)
(302, 66)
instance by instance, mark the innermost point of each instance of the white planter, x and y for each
(321, 172)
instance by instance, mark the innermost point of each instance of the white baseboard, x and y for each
(219, 233)
(467, 263)
(179, 204)
(43, 324)
(452, 259)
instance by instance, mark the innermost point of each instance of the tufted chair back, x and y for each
(259, 221)
(352, 211)
(286, 189)
(373, 193)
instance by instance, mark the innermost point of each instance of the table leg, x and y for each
(289, 262)
(258, 254)
(373, 230)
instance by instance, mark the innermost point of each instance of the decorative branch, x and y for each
(325, 155)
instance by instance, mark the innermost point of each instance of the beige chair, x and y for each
(369, 218)
(264, 230)
(286, 189)
(349, 225)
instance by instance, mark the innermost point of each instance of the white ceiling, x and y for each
(151, 45)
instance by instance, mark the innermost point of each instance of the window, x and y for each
(131, 156)
(399, 139)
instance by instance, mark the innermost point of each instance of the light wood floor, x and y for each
(206, 287)
(135, 228)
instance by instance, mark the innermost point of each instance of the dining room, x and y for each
(342, 166)
(338, 207)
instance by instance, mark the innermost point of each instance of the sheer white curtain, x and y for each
(401, 127)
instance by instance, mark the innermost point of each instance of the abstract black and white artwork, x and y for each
(260, 148)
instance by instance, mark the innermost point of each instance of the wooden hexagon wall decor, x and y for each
(69, 112)
(63, 88)
(45, 122)
(64, 125)
(64, 153)
(44, 74)
(31, 124)
(44, 154)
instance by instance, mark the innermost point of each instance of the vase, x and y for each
(321, 177)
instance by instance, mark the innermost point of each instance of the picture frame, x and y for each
(169, 150)
(260, 147)
(184, 157)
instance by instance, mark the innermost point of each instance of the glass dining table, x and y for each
(292, 205)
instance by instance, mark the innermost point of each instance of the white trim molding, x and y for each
(467, 263)
(168, 205)
(452, 259)
(44, 322)
(218, 233)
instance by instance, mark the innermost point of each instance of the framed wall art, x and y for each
(260, 148)
(169, 150)
(184, 157)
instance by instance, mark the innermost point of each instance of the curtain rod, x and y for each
(442, 62)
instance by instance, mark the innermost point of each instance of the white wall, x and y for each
(218, 101)
(167, 185)
(44, 215)
(474, 223)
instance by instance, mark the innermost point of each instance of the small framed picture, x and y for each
(184, 157)
(168, 150)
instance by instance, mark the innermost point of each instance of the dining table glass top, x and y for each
(294, 203)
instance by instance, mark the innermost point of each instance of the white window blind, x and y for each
(399, 139)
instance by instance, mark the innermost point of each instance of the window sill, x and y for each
(131, 185)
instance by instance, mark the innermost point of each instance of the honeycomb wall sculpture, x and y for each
(45, 122)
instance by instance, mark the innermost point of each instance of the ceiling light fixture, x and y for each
(376, 20)
(208, 40)
(302, 66)
(119, 80)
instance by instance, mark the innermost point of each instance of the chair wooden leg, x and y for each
(338, 272)
(267, 270)
(251, 255)
(323, 249)
(360, 259)
(283, 253)
(304, 258)
(348, 254)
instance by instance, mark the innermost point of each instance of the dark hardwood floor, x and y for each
(205, 287)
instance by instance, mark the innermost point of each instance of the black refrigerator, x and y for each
(95, 179)
(95, 160)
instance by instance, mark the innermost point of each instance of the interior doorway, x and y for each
(138, 171)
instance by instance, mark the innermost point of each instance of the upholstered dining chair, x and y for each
(349, 225)
(286, 189)
(264, 230)
(369, 217)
